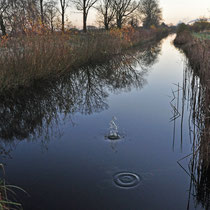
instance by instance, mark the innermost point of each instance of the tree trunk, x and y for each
(84, 21)
(63, 20)
(42, 13)
(106, 24)
(2, 26)
(51, 23)
(119, 22)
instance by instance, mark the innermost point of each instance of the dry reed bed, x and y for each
(26, 59)
(196, 93)
(198, 53)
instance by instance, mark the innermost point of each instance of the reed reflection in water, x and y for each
(195, 101)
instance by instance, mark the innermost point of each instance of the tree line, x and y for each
(18, 15)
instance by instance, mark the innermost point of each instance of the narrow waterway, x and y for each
(54, 140)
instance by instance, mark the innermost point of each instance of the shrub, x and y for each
(200, 25)
(182, 27)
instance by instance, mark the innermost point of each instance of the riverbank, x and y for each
(30, 58)
(196, 46)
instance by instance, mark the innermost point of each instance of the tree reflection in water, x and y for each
(196, 99)
(35, 112)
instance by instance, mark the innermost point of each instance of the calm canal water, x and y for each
(54, 144)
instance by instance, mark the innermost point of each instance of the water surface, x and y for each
(54, 145)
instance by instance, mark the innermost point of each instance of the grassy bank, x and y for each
(201, 36)
(32, 57)
(196, 46)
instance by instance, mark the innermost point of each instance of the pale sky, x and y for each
(184, 10)
(173, 11)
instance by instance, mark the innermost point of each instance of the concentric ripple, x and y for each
(126, 179)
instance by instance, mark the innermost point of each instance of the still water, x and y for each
(54, 139)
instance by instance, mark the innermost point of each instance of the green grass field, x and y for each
(202, 36)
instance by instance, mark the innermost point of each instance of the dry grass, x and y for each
(197, 51)
(43, 56)
(5, 192)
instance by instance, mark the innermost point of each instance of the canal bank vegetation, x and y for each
(5, 203)
(43, 46)
(29, 58)
(7, 193)
(194, 40)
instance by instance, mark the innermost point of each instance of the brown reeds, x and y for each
(197, 51)
(32, 57)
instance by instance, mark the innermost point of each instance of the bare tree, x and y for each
(64, 4)
(41, 11)
(3, 28)
(123, 9)
(84, 6)
(51, 13)
(12, 12)
(150, 12)
(18, 15)
(107, 12)
(44, 8)
(24, 14)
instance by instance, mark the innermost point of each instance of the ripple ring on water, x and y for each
(126, 179)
